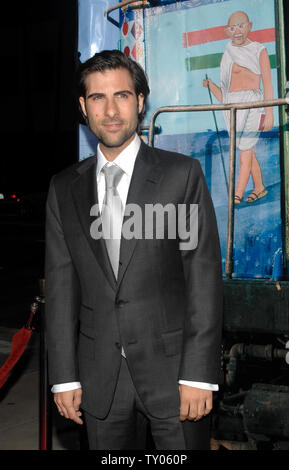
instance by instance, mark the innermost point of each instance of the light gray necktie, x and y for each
(112, 214)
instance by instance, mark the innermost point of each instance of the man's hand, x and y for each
(68, 404)
(195, 402)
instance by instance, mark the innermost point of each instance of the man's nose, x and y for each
(111, 107)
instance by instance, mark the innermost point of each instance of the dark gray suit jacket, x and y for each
(165, 307)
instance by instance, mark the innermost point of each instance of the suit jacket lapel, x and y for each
(84, 192)
(142, 191)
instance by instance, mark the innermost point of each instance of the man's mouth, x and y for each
(113, 125)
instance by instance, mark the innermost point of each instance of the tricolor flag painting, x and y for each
(180, 44)
(204, 36)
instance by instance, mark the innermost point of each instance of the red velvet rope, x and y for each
(19, 343)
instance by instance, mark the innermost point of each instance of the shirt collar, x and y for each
(125, 160)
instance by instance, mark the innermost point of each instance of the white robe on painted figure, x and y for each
(248, 120)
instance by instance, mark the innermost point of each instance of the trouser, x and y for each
(124, 427)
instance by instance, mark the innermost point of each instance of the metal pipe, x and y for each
(231, 203)
(281, 54)
(236, 352)
(120, 5)
(232, 107)
(147, 128)
(242, 351)
(211, 107)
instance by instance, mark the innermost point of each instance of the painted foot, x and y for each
(256, 196)
(238, 199)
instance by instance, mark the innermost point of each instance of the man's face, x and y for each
(112, 107)
(238, 29)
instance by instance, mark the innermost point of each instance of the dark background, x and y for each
(38, 54)
(38, 135)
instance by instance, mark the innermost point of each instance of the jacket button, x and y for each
(118, 345)
(120, 303)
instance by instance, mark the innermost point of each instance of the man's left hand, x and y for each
(195, 403)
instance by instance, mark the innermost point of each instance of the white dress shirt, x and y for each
(125, 160)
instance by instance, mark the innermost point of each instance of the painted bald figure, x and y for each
(244, 65)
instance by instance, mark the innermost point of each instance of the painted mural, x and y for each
(203, 52)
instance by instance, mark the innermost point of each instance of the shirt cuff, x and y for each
(65, 387)
(202, 385)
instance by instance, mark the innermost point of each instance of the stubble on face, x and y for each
(115, 132)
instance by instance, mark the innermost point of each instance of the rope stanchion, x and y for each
(19, 343)
(45, 408)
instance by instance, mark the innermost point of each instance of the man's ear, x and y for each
(82, 106)
(140, 100)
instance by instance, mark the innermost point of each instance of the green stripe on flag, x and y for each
(212, 61)
(273, 61)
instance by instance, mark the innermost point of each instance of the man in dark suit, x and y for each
(133, 321)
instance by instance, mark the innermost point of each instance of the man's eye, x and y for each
(97, 97)
(123, 95)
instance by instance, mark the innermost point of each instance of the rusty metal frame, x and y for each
(283, 122)
(122, 4)
(232, 107)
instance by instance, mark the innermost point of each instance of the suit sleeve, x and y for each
(201, 354)
(62, 294)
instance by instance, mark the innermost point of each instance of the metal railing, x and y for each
(122, 4)
(232, 107)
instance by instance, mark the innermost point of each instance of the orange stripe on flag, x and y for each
(193, 38)
(263, 35)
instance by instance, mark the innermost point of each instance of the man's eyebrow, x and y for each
(124, 91)
(92, 95)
